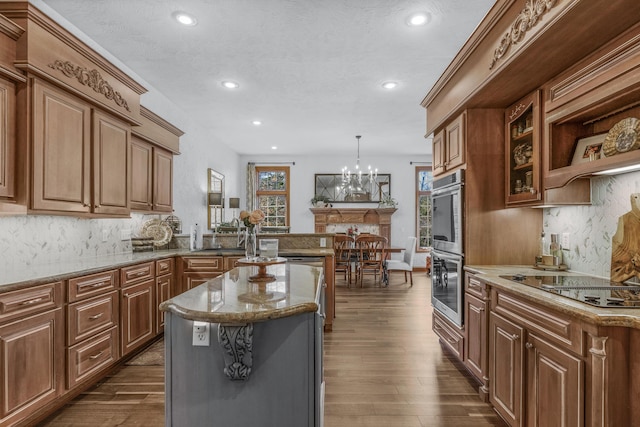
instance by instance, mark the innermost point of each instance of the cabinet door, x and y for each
(438, 153)
(162, 180)
(137, 310)
(191, 280)
(7, 138)
(141, 175)
(522, 151)
(111, 139)
(61, 151)
(505, 369)
(455, 143)
(32, 358)
(475, 315)
(555, 385)
(164, 285)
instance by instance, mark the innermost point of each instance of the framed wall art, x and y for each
(588, 149)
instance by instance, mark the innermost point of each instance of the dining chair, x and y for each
(343, 247)
(371, 250)
(405, 265)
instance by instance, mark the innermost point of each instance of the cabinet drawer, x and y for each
(231, 262)
(92, 285)
(136, 273)
(91, 356)
(164, 266)
(87, 318)
(203, 263)
(552, 325)
(29, 301)
(449, 336)
(475, 287)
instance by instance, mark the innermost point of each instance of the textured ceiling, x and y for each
(310, 70)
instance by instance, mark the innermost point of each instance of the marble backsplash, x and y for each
(591, 228)
(45, 239)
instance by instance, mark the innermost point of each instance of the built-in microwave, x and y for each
(446, 218)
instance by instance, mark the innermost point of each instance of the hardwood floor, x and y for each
(383, 367)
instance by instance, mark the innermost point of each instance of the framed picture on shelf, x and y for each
(588, 149)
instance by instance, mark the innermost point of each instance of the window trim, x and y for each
(286, 192)
(418, 194)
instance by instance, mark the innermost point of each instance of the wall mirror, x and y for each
(215, 198)
(339, 188)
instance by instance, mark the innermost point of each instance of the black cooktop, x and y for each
(591, 290)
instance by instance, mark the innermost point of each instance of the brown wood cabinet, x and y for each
(164, 288)
(137, 306)
(68, 157)
(7, 139)
(194, 271)
(449, 146)
(151, 177)
(32, 348)
(476, 315)
(537, 369)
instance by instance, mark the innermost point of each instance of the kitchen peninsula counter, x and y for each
(261, 346)
(625, 317)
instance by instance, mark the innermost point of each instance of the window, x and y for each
(424, 183)
(272, 194)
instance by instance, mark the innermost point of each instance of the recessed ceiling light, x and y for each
(185, 19)
(230, 85)
(389, 85)
(418, 19)
(257, 122)
(274, 147)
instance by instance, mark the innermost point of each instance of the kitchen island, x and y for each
(257, 358)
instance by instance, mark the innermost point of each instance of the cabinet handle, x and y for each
(515, 337)
(126, 295)
(95, 356)
(32, 301)
(96, 206)
(481, 310)
(97, 316)
(93, 285)
(529, 345)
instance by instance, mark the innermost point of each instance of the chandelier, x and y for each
(358, 185)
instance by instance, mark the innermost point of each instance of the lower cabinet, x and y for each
(137, 315)
(164, 287)
(32, 363)
(194, 271)
(536, 370)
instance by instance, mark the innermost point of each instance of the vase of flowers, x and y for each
(251, 220)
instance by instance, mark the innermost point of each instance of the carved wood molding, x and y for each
(527, 19)
(237, 343)
(91, 78)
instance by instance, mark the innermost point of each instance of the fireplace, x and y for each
(367, 219)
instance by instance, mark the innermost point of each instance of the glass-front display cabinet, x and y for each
(522, 134)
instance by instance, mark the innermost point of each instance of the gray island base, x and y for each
(263, 364)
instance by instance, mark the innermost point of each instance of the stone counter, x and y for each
(16, 278)
(627, 317)
(232, 298)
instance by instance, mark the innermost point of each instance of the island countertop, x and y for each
(627, 317)
(232, 298)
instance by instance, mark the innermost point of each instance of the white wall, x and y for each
(302, 188)
(591, 228)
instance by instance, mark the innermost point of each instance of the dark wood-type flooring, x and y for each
(383, 367)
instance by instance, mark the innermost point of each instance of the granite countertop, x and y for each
(628, 317)
(12, 277)
(232, 298)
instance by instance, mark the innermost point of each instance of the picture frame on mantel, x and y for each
(338, 190)
(588, 149)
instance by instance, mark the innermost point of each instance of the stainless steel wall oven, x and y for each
(447, 257)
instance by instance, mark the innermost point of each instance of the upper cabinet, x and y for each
(75, 169)
(68, 117)
(522, 150)
(591, 113)
(449, 146)
(153, 146)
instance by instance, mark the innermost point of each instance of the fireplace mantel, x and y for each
(379, 216)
